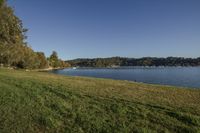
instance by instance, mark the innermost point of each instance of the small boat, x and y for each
(74, 68)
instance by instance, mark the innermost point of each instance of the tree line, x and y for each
(14, 50)
(146, 61)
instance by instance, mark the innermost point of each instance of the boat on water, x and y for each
(74, 68)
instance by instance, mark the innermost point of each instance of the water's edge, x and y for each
(173, 76)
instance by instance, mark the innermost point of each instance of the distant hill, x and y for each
(145, 61)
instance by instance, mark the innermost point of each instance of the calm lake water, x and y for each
(176, 76)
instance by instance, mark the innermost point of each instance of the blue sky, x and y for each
(105, 28)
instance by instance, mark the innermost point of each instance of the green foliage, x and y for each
(1, 2)
(53, 59)
(41, 102)
(42, 61)
(14, 52)
(55, 62)
(28, 59)
(11, 31)
(147, 61)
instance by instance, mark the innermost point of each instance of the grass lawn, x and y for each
(41, 102)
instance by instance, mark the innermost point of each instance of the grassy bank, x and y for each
(42, 102)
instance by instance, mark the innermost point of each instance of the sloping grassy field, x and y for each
(41, 102)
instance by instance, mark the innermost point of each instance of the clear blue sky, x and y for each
(105, 28)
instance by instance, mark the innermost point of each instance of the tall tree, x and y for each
(42, 62)
(53, 59)
(12, 35)
(13, 49)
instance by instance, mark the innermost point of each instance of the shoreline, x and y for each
(124, 67)
(34, 70)
(48, 69)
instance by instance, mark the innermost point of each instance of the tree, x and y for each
(42, 61)
(53, 59)
(147, 61)
(28, 59)
(12, 36)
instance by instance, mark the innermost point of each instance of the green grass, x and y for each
(41, 102)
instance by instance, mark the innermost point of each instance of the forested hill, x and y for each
(14, 51)
(147, 61)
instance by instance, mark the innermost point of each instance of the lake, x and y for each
(176, 76)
